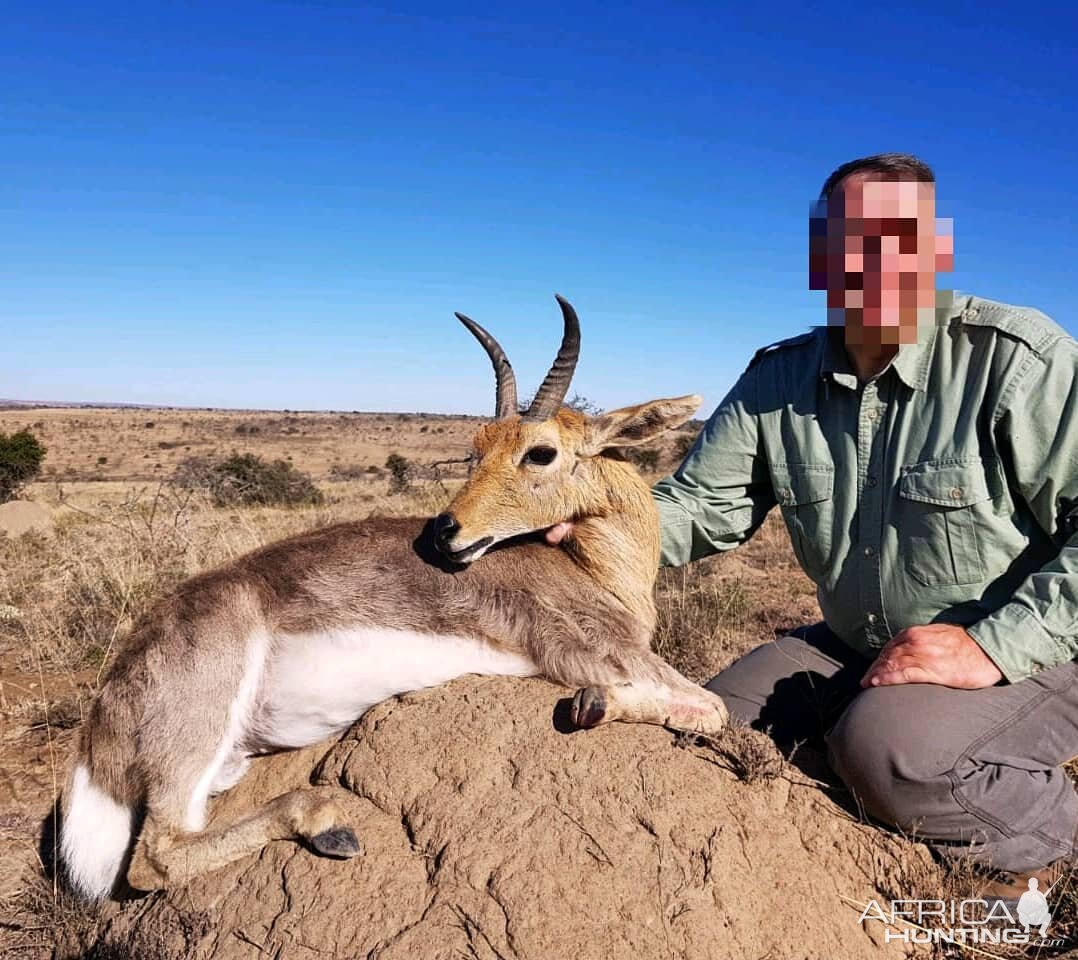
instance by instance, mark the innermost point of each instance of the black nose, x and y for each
(445, 528)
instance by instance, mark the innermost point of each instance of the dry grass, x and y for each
(148, 444)
(71, 595)
(748, 754)
(121, 540)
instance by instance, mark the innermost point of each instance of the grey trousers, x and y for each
(970, 772)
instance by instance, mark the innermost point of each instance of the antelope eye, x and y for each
(540, 456)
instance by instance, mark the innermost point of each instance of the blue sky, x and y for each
(281, 205)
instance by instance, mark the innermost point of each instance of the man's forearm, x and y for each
(1038, 629)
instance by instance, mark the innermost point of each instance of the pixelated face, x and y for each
(875, 246)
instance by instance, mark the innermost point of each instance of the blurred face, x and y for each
(875, 247)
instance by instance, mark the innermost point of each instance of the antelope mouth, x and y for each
(471, 552)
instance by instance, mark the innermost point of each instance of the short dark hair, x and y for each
(887, 166)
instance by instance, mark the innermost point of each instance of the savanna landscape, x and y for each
(489, 830)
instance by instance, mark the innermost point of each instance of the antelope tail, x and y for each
(95, 834)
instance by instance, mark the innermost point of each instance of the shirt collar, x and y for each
(910, 364)
(834, 361)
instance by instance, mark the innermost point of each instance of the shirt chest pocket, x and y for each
(938, 520)
(804, 492)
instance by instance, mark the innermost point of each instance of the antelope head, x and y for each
(534, 469)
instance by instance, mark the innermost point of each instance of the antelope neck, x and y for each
(620, 548)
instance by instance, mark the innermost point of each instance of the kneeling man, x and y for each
(923, 449)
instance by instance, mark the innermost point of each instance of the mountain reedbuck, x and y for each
(292, 643)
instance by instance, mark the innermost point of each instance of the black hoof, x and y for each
(589, 707)
(338, 842)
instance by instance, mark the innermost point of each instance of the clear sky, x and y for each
(281, 205)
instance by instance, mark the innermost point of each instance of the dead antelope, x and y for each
(292, 643)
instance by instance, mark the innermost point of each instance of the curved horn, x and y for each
(549, 396)
(505, 401)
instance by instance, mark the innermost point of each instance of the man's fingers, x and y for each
(887, 678)
(895, 670)
(898, 640)
(558, 532)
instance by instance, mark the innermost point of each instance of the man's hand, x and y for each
(558, 532)
(936, 653)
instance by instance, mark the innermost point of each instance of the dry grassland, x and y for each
(126, 444)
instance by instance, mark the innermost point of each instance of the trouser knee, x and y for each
(891, 774)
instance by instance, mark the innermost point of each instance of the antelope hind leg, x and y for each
(167, 856)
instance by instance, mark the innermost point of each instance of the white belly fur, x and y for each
(318, 684)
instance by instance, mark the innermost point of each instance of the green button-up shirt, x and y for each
(943, 490)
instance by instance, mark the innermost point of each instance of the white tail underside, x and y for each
(94, 836)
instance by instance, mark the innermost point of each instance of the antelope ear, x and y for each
(630, 426)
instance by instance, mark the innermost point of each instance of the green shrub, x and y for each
(245, 479)
(21, 454)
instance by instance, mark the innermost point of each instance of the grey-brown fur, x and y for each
(164, 705)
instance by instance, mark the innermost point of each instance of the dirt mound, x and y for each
(490, 833)
(21, 516)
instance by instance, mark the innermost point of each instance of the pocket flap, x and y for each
(948, 483)
(800, 483)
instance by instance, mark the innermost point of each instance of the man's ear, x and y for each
(630, 426)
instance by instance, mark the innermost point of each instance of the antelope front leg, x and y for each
(669, 700)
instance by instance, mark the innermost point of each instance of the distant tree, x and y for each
(582, 404)
(21, 454)
(577, 402)
(400, 473)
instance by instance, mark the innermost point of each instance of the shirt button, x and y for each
(870, 617)
(868, 551)
(956, 493)
(871, 481)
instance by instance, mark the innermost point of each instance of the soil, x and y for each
(22, 516)
(490, 830)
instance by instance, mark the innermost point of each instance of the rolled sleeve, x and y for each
(1018, 643)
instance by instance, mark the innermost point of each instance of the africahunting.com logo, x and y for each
(973, 921)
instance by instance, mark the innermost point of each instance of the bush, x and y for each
(400, 473)
(577, 402)
(21, 454)
(346, 471)
(582, 404)
(245, 479)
